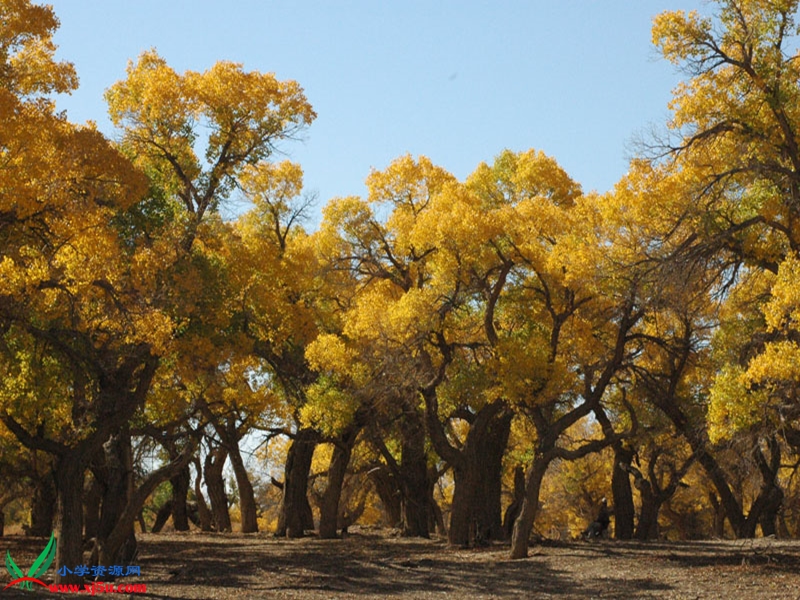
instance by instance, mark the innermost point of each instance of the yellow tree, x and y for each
(72, 320)
(278, 307)
(93, 279)
(237, 118)
(734, 128)
(564, 317)
(384, 314)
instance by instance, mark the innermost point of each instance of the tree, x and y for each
(735, 144)
(102, 308)
(380, 269)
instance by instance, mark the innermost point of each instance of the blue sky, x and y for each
(455, 80)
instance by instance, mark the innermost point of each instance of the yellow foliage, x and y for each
(162, 112)
(27, 51)
(733, 406)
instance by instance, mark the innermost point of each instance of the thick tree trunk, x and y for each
(118, 486)
(462, 517)
(2, 522)
(476, 512)
(43, 506)
(770, 498)
(295, 515)
(203, 512)
(329, 508)
(215, 484)
(69, 512)
(769, 516)
(624, 510)
(647, 528)
(413, 470)
(180, 491)
(247, 498)
(530, 506)
(491, 475)
(114, 480)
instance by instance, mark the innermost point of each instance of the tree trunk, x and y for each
(120, 544)
(435, 516)
(530, 506)
(621, 491)
(92, 499)
(389, 492)
(698, 441)
(203, 512)
(770, 498)
(647, 528)
(247, 498)
(180, 490)
(476, 512)
(215, 484)
(2, 522)
(295, 515)
(162, 516)
(118, 486)
(719, 515)
(69, 512)
(43, 506)
(329, 508)
(768, 519)
(513, 510)
(462, 517)
(491, 475)
(413, 471)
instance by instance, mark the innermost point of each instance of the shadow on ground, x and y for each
(375, 565)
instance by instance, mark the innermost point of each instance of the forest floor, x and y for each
(374, 564)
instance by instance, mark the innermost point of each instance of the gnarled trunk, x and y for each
(180, 490)
(247, 498)
(530, 506)
(69, 512)
(624, 510)
(493, 448)
(203, 512)
(513, 509)
(647, 528)
(329, 508)
(476, 516)
(117, 487)
(43, 506)
(295, 515)
(215, 484)
(413, 472)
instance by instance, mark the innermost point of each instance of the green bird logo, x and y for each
(38, 568)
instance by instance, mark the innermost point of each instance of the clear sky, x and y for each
(455, 80)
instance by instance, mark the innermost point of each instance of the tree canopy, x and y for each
(485, 358)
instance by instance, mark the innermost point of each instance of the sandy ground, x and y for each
(376, 565)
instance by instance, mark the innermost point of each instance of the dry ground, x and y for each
(372, 564)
